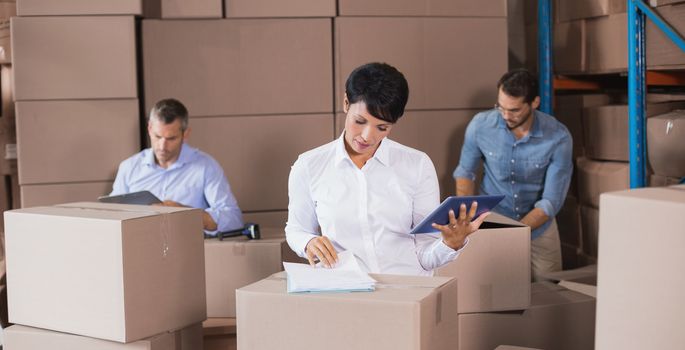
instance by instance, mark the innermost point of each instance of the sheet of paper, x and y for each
(344, 276)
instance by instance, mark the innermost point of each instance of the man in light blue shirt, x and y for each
(178, 174)
(527, 157)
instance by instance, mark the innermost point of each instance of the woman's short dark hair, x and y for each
(168, 110)
(519, 83)
(382, 87)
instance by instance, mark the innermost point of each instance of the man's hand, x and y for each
(170, 203)
(207, 220)
(454, 234)
(322, 249)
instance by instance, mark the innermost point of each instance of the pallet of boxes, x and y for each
(105, 276)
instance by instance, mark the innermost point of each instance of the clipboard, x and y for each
(141, 198)
(441, 214)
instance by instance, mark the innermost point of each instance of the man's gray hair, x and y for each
(168, 110)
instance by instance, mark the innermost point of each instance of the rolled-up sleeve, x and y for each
(119, 186)
(223, 206)
(558, 177)
(302, 222)
(470, 154)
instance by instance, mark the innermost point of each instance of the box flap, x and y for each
(674, 194)
(501, 219)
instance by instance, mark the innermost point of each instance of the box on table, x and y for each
(404, 312)
(109, 271)
(494, 268)
(236, 262)
(666, 144)
(27, 338)
(71, 57)
(596, 177)
(640, 272)
(557, 319)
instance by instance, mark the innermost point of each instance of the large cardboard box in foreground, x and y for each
(494, 268)
(27, 338)
(557, 319)
(440, 8)
(640, 273)
(72, 57)
(403, 313)
(435, 62)
(108, 271)
(236, 262)
(79, 7)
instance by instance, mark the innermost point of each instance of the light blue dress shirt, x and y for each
(195, 180)
(533, 172)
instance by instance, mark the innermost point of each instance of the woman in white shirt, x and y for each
(364, 192)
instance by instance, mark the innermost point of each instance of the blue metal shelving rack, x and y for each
(637, 11)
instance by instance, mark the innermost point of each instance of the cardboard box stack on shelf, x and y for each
(105, 276)
(666, 147)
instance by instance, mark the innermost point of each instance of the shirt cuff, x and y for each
(443, 249)
(461, 172)
(546, 206)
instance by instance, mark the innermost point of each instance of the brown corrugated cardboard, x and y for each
(275, 219)
(596, 177)
(446, 130)
(494, 269)
(582, 280)
(655, 3)
(108, 271)
(436, 62)
(240, 66)
(219, 334)
(404, 312)
(72, 57)
(27, 338)
(589, 217)
(569, 110)
(557, 319)
(640, 275)
(79, 7)
(660, 50)
(606, 130)
(606, 51)
(268, 146)
(660, 181)
(183, 9)
(568, 221)
(279, 8)
(569, 47)
(236, 262)
(441, 8)
(51, 194)
(567, 10)
(79, 140)
(666, 144)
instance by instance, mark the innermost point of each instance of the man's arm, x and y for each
(208, 222)
(535, 218)
(557, 181)
(469, 160)
(223, 213)
(464, 187)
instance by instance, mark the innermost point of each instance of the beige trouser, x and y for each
(545, 252)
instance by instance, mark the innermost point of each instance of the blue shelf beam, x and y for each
(546, 78)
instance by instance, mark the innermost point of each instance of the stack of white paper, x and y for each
(345, 276)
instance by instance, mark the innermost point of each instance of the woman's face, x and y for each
(363, 132)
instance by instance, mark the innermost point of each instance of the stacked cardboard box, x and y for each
(661, 51)
(666, 147)
(107, 274)
(77, 118)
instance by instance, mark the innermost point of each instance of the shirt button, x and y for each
(512, 161)
(517, 208)
(513, 182)
(514, 145)
(512, 173)
(516, 196)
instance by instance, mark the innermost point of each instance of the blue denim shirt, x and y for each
(533, 172)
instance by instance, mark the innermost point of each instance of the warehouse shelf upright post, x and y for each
(546, 76)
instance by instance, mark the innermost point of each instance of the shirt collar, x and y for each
(535, 129)
(341, 154)
(183, 158)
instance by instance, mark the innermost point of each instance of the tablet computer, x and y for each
(142, 198)
(441, 214)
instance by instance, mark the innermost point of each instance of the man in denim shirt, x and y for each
(527, 157)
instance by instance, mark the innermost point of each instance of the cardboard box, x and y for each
(606, 49)
(494, 269)
(236, 262)
(447, 130)
(51, 194)
(606, 130)
(274, 219)
(661, 51)
(59, 58)
(183, 9)
(435, 62)
(640, 303)
(440, 8)
(108, 271)
(279, 8)
(660, 181)
(568, 221)
(567, 10)
(666, 144)
(404, 312)
(655, 3)
(240, 66)
(220, 334)
(569, 110)
(27, 338)
(556, 319)
(80, 141)
(79, 7)
(596, 177)
(269, 145)
(582, 280)
(569, 46)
